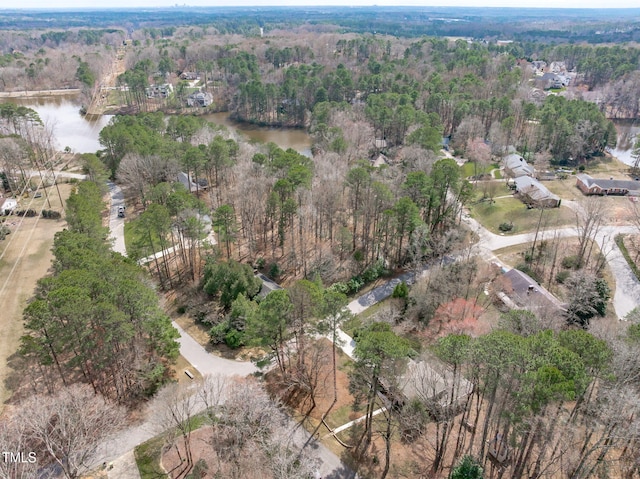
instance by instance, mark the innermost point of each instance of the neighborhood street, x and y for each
(627, 295)
(626, 298)
(118, 450)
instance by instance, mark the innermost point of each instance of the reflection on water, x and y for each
(70, 128)
(628, 131)
(80, 133)
(285, 138)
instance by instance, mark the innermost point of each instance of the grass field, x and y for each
(512, 210)
(469, 169)
(26, 257)
(148, 457)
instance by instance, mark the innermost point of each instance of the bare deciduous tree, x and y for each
(69, 426)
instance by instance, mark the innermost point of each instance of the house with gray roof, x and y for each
(516, 166)
(598, 186)
(434, 383)
(534, 194)
(525, 292)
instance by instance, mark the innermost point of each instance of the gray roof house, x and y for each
(516, 166)
(200, 99)
(188, 183)
(597, 186)
(534, 194)
(526, 293)
(433, 382)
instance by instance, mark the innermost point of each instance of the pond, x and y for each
(80, 133)
(628, 131)
(70, 128)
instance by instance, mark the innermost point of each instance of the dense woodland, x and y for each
(558, 391)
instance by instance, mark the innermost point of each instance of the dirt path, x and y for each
(108, 83)
(27, 258)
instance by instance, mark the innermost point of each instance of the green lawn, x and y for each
(505, 210)
(469, 169)
(148, 456)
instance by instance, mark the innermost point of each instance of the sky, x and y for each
(49, 4)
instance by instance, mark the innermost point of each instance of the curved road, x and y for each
(119, 448)
(627, 295)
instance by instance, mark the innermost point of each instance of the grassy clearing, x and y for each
(148, 456)
(512, 210)
(181, 366)
(469, 169)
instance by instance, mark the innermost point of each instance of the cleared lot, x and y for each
(27, 258)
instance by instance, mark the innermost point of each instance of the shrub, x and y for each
(400, 291)
(340, 287)
(571, 262)
(51, 214)
(562, 276)
(274, 270)
(505, 227)
(526, 269)
(355, 284)
(234, 339)
(28, 213)
(218, 333)
(181, 309)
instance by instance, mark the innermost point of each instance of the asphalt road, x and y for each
(118, 449)
(116, 225)
(627, 295)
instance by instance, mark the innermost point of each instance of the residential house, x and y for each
(159, 91)
(534, 194)
(433, 382)
(188, 183)
(7, 205)
(379, 160)
(538, 66)
(190, 76)
(521, 291)
(552, 80)
(516, 166)
(200, 99)
(597, 186)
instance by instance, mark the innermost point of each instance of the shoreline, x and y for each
(38, 93)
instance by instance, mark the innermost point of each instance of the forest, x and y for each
(396, 112)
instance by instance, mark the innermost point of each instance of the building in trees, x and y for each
(525, 292)
(443, 392)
